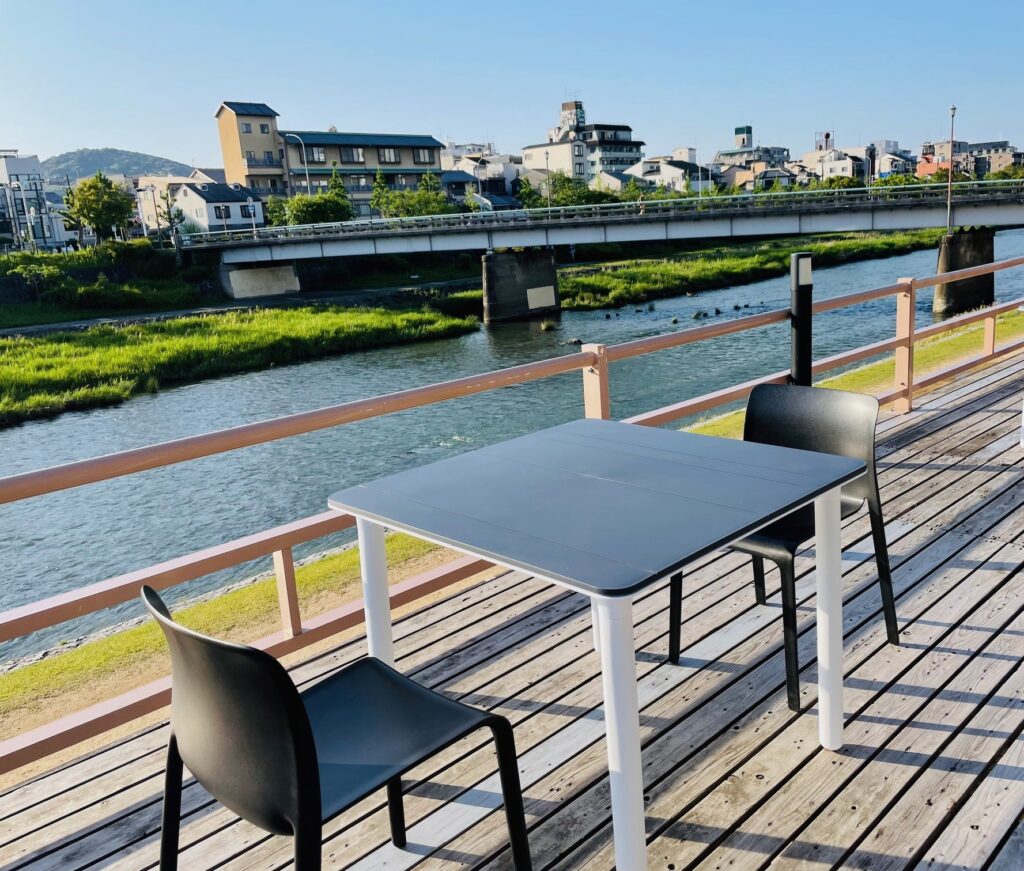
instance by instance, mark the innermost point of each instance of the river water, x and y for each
(64, 540)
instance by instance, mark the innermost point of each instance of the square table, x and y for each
(607, 509)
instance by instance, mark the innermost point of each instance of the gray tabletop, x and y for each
(600, 506)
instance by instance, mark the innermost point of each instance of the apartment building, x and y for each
(27, 218)
(583, 150)
(270, 161)
(745, 153)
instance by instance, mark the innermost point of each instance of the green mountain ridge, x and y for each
(86, 162)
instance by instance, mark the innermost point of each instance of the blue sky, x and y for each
(148, 76)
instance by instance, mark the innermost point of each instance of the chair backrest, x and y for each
(240, 725)
(817, 419)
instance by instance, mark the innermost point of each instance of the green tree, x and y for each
(98, 203)
(1016, 171)
(631, 192)
(529, 196)
(381, 196)
(276, 211)
(168, 215)
(317, 209)
(338, 194)
(566, 191)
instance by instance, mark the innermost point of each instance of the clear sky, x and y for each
(148, 76)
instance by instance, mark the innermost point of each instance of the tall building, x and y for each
(583, 150)
(260, 156)
(27, 218)
(745, 153)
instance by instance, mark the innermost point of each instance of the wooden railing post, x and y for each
(596, 399)
(989, 345)
(905, 309)
(287, 594)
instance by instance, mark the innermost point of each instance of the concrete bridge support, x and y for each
(247, 282)
(960, 250)
(519, 285)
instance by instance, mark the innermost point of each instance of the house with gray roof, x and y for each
(208, 207)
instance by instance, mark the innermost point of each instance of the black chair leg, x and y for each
(892, 629)
(675, 617)
(308, 848)
(759, 592)
(396, 812)
(789, 634)
(512, 791)
(171, 818)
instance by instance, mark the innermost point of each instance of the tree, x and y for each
(98, 203)
(317, 209)
(1016, 171)
(381, 196)
(567, 191)
(631, 191)
(276, 211)
(167, 214)
(338, 194)
(528, 195)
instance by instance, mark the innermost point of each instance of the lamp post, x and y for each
(156, 212)
(252, 214)
(547, 177)
(949, 181)
(305, 160)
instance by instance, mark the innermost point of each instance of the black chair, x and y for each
(287, 761)
(813, 419)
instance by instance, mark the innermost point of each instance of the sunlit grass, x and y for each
(45, 375)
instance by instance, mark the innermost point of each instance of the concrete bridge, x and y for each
(274, 250)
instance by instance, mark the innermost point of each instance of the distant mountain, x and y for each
(88, 161)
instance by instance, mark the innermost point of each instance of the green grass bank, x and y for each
(42, 376)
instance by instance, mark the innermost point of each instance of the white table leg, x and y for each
(622, 727)
(827, 524)
(595, 625)
(376, 596)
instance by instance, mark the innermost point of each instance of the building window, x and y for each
(577, 150)
(248, 211)
(579, 169)
(316, 154)
(222, 212)
(389, 155)
(200, 213)
(351, 155)
(422, 155)
(246, 127)
(264, 128)
(250, 155)
(269, 156)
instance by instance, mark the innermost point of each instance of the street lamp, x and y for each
(949, 181)
(547, 177)
(252, 214)
(156, 212)
(305, 158)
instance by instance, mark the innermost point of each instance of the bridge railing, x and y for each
(298, 631)
(692, 206)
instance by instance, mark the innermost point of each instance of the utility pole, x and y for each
(547, 177)
(949, 181)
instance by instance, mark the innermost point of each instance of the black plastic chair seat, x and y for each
(784, 537)
(371, 724)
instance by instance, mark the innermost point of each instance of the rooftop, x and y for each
(258, 109)
(212, 192)
(361, 140)
(733, 777)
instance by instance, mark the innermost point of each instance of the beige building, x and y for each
(260, 156)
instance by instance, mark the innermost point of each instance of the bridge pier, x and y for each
(519, 285)
(247, 282)
(961, 250)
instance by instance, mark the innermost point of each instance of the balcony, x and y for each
(930, 775)
(264, 162)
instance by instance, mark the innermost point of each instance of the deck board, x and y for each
(733, 778)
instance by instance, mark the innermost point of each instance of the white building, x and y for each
(151, 195)
(209, 207)
(27, 219)
(672, 172)
(494, 173)
(583, 150)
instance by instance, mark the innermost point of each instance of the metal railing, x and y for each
(593, 361)
(783, 202)
(264, 161)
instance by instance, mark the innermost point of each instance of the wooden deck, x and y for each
(932, 774)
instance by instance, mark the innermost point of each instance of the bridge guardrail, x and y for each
(693, 206)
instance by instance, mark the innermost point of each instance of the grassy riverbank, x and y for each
(618, 284)
(46, 375)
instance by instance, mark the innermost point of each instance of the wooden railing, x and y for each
(296, 633)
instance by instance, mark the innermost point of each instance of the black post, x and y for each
(801, 284)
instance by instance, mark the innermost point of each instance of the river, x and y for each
(65, 540)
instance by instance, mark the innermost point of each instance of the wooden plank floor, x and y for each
(932, 774)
